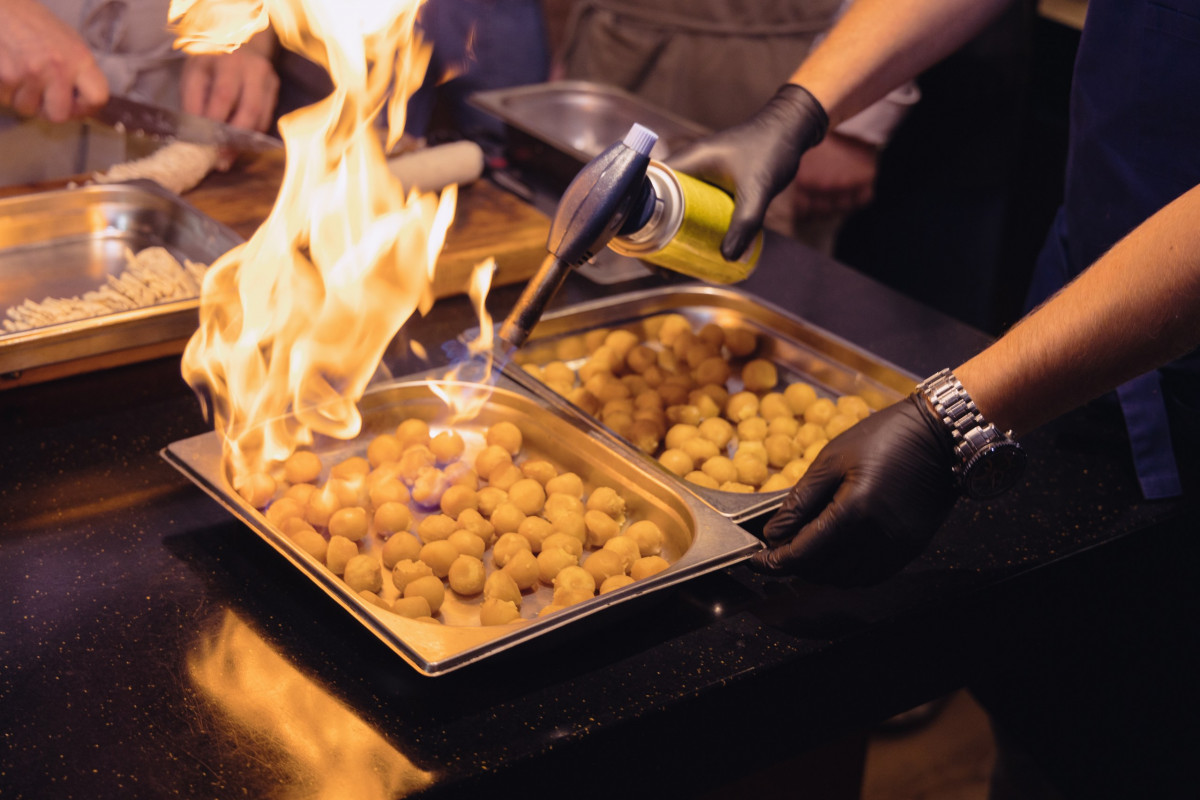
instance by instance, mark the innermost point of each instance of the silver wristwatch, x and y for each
(987, 461)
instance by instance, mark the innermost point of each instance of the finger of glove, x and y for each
(708, 161)
(823, 551)
(803, 503)
(749, 210)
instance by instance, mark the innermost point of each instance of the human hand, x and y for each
(869, 503)
(46, 69)
(239, 88)
(757, 159)
(835, 177)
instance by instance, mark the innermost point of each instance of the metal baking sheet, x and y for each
(699, 539)
(63, 243)
(799, 350)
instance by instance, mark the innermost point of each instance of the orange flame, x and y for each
(294, 323)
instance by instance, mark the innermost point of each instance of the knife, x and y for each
(131, 116)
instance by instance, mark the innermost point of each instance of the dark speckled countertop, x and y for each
(152, 646)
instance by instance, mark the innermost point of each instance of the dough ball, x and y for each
(430, 587)
(504, 476)
(303, 466)
(737, 488)
(536, 530)
(720, 468)
(700, 450)
(672, 327)
(567, 483)
(283, 509)
(640, 358)
(389, 491)
(349, 522)
(648, 536)
(501, 586)
(607, 500)
(257, 489)
(573, 580)
(374, 599)
(436, 528)
(339, 553)
(427, 489)
(750, 470)
(854, 406)
(753, 429)
(439, 556)
(411, 607)
(647, 566)
(398, 547)
(717, 430)
(310, 542)
(713, 369)
(413, 432)
(507, 517)
(558, 505)
(776, 483)
(353, 467)
(490, 498)
(602, 564)
(680, 433)
(820, 411)
(799, 396)
(415, 459)
(540, 470)
(558, 372)
(508, 545)
(321, 506)
(523, 569)
(788, 426)
(759, 375)
(839, 423)
(467, 543)
(457, 499)
(570, 348)
(700, 479)
(528, 495)
(571, 524)
(466, 575)
(626, 547)
(676, 462)
(447, 446)
(794, 470)
(741, 405)
(300, 492)
(362, 573)
(614, 582)
(810, 452)
(472, 521)
(506, 435)
(808, 433)
(781, 449)
(494, 611)
(491, 458)
(552, 560)
(383, 449)
(563, 541)
(774, 404)
(408, 570)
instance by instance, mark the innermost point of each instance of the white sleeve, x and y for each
(875, 123)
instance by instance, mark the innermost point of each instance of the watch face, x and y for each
(993, 470)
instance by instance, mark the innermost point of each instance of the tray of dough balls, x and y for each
(717, 389)
(453, 541)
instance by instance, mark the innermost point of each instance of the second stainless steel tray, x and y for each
(800, 351)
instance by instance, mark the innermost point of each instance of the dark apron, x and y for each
(1135, 147)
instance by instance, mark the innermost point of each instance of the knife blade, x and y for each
(132, 116)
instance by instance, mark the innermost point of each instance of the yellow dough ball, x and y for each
(621, 341)
(501, 586)
(439, 556)
(558, 372)
(720, 468)
(648, 536)
(774, 405)
(300, 492)
(564, 541)
(671, 327)
(753, 429)
(491, 458)
(567, 483)
(647, 566)
(353, 467)
(494, 611)
(626, 547)
(321, 506)
(573, 580)
(349, 522)
(523, 569)
(384, 448)
(810, 452)
(473, 522)
(457, 499)
(415, 459)
(466, 575)
(602, 564)
(677, 462)
(413, 432)
(552, 560)
(411, 607)
(303, 466)
(780, 449)
(680, 433)
(820, 411)
(606, 499)
(776, 483)
(507, 517)
(398, 547)
(430, 587)
(528, 495)
(808, 433)
(490, 498)
(349, 492)
(794, 470)
(839, 423)
(570, 348)
(362, 573)
(750, 470)
(536, 530)
(700, 450)
(436, 528)
(310, 542)
(257, 489)
(427, 489)
(799, 396)
(540, 470)
(389, 491)
(742, 405)
(339, 553)
(407, 570)
(447, 446)
(740, 342)
(759, 375)
(504, 476)
(600, 527)
(614, 582)
(713, 369)
(788, 426)
(467, 543)
(508, 545)
(717, 430)
(737, 488)
(506, 435)
(558, 505)
(374, 599)
(700, 479)
(286, 508)
(854, 406)
(640, 359)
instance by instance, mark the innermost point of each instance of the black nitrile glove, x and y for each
(757, 159)
(869, 503)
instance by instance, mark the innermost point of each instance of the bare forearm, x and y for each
(880, 44)
(1134, 309)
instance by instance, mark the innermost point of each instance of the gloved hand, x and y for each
(757, 159)
(869, 503)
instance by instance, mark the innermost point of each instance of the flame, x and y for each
(294, 323)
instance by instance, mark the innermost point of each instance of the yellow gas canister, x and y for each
(685, 229)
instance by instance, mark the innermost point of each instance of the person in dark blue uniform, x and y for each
(1106, 711)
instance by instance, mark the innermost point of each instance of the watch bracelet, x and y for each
(969, 430)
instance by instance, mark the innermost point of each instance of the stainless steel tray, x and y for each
(800, 351)
(700, 540)
(63, 243)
